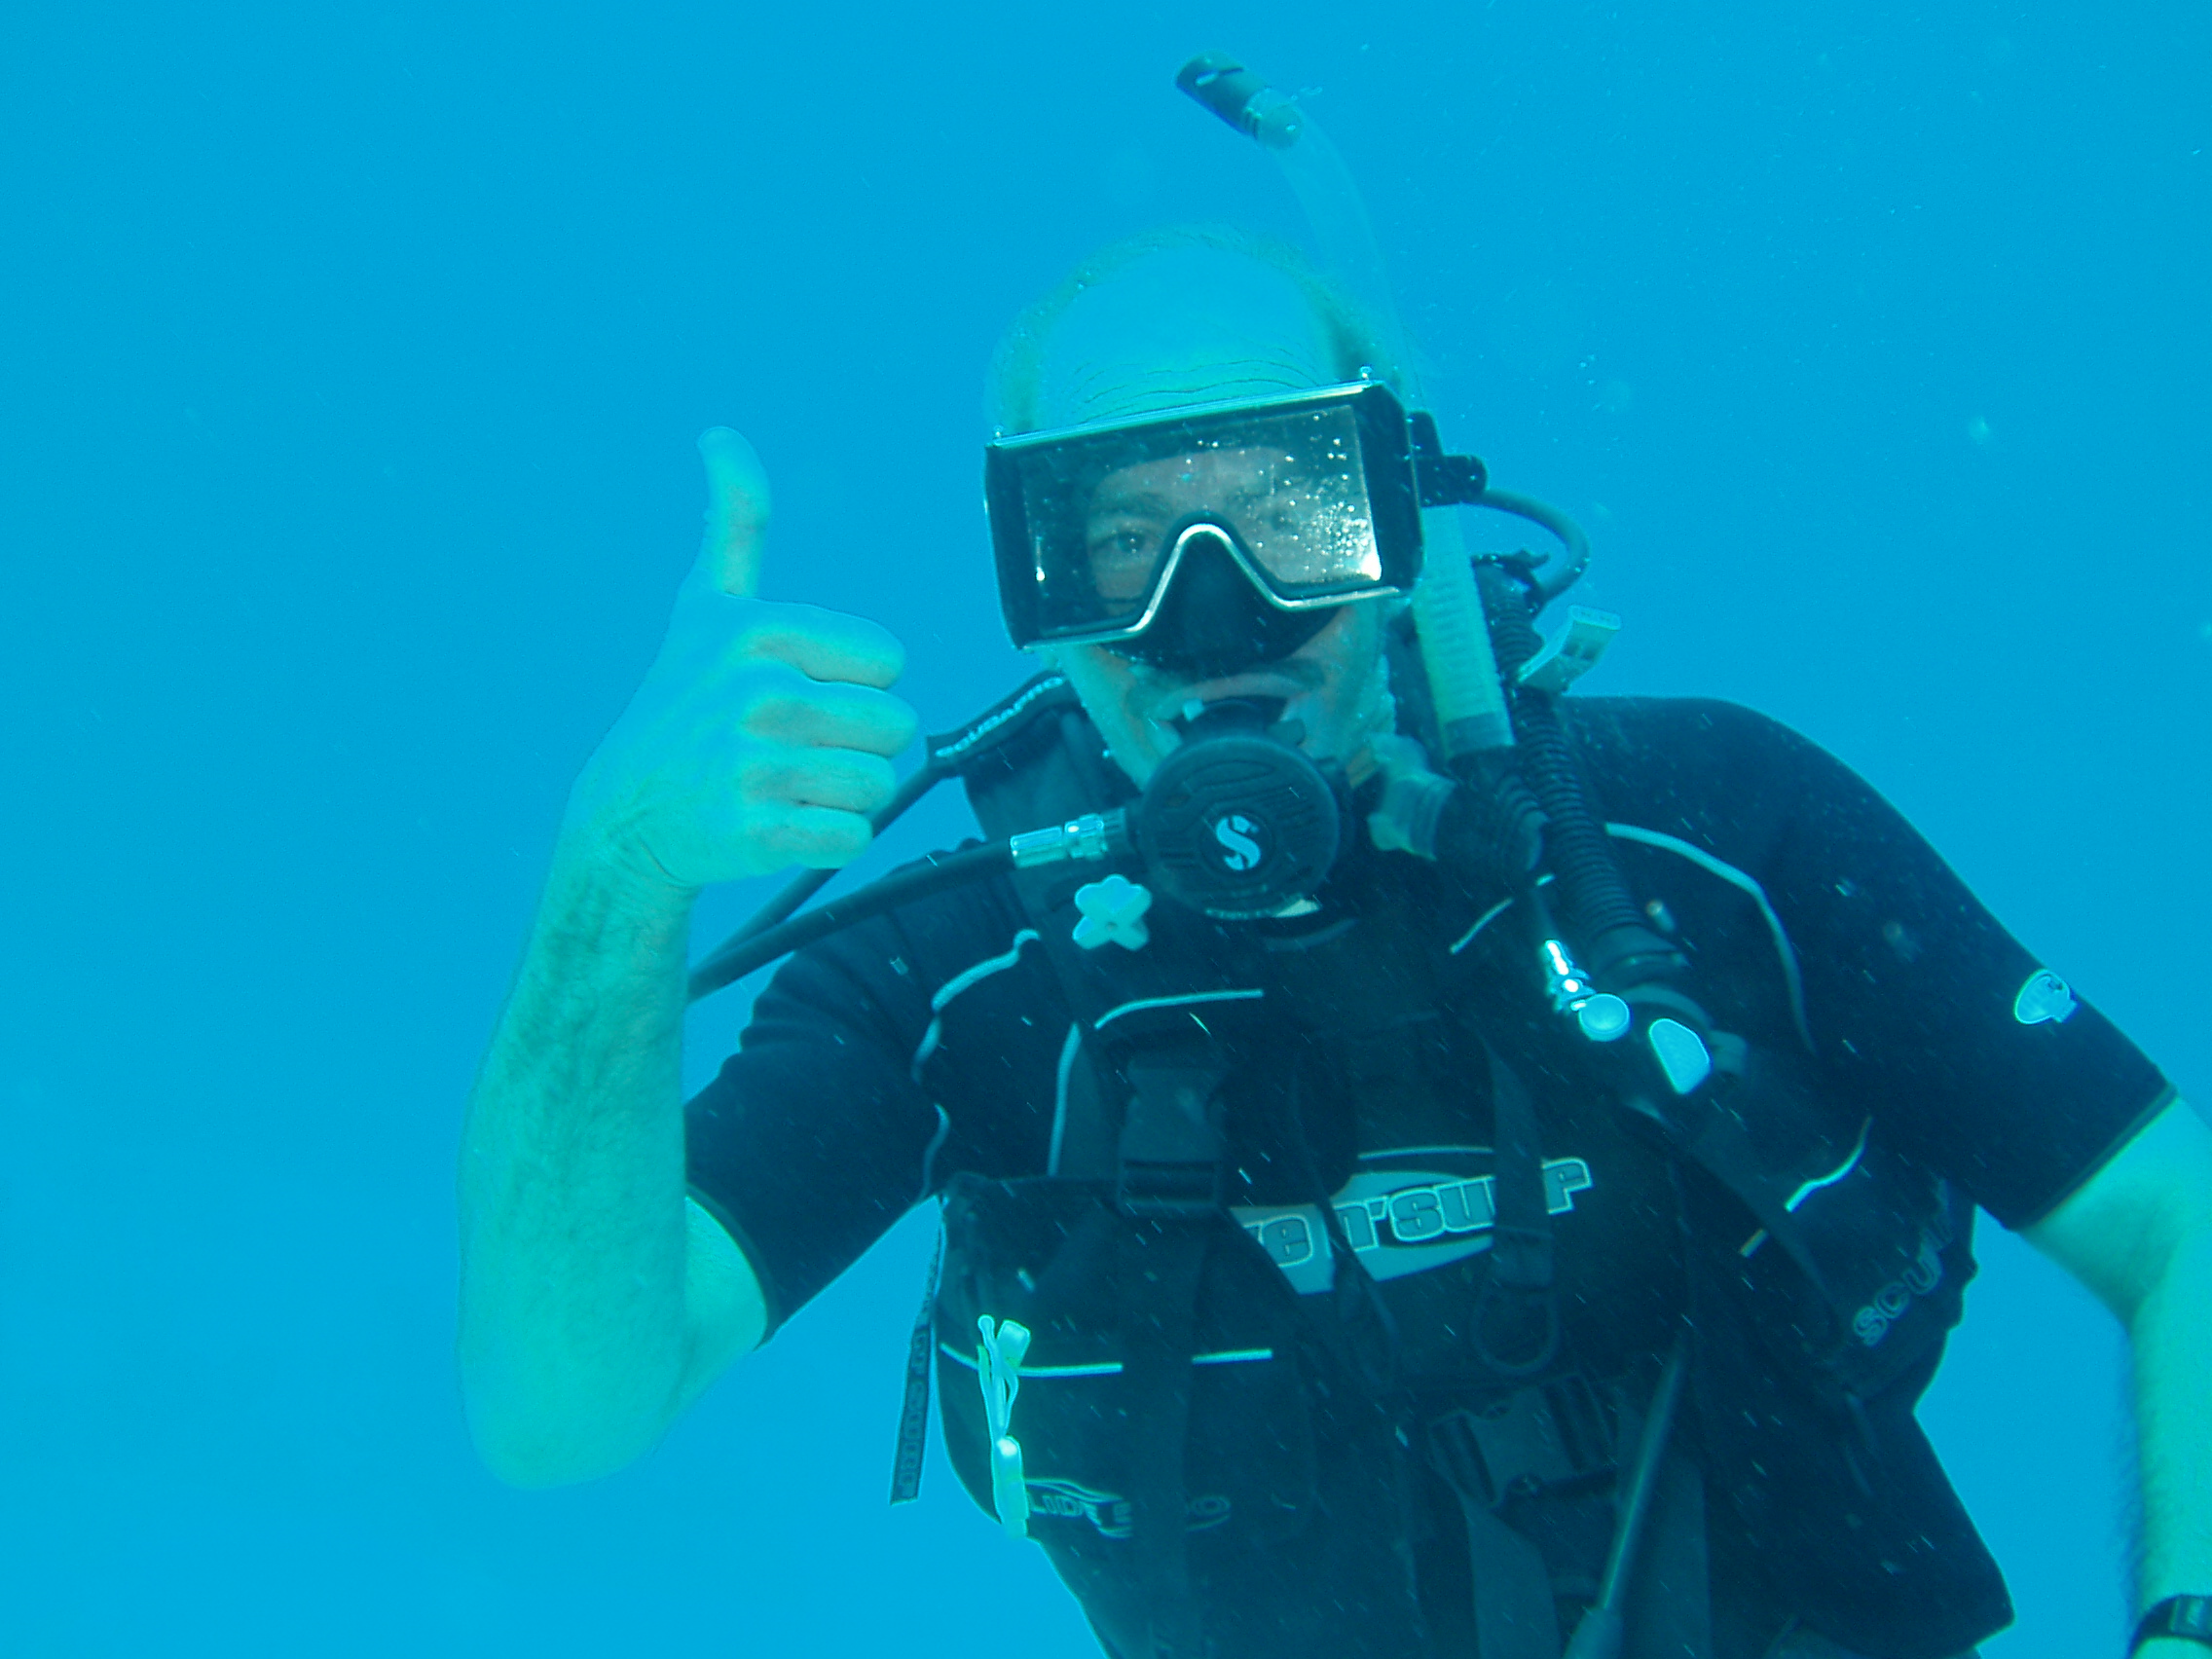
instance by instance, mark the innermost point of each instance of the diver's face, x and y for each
(1334, 684)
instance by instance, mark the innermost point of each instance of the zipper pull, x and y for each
(998, 1369)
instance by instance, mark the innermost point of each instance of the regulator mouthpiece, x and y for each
(1239, 822)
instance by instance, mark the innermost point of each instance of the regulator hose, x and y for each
(1616, 945)
(709, 975)
(936, 874)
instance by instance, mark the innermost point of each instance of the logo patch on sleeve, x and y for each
(2045, 996)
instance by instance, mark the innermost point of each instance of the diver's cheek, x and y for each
(1344, 716)
(1141, 743)
(1112, 693)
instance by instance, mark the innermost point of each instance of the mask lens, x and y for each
(1300, 502)
(1291, 480)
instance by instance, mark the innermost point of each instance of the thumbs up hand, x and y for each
(762, 734)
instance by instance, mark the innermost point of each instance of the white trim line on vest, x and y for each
(1197, 997)
(965, 979)
(1068, 1051)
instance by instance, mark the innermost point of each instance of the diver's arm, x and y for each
(596, 1302)
(2139, 1234)
(578, 1334)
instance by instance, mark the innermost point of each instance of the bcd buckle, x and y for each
(1175, 1191)
(1170, 1151)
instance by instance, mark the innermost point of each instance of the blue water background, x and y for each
(349, 363)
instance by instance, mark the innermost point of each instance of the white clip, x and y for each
(998, 1367)
(1573, 651)
(1113, 914)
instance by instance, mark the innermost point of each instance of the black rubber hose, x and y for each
(805, 885)
(937, 873)
(1554, 577)
(1616, 945)
(1603, 1632)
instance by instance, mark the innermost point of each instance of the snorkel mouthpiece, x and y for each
(1214, 620)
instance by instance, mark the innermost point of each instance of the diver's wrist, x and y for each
(2177, 1627)
(617, 877)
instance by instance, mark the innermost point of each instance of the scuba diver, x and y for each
(1428, 1165)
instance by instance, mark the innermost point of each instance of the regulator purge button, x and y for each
(1605, 1018)
(1238, 822)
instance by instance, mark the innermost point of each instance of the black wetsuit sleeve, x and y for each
(1911, 988)
(812, 1140)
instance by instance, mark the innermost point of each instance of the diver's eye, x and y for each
(1120, 544)
(1121, 558)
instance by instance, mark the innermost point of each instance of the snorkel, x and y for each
(1492, 679)
(1448, 613)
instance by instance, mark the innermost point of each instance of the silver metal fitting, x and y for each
(1093, 836)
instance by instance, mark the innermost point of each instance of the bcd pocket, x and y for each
(1088, 1284)
(1868, 1279)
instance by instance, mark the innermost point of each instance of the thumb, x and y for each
(737, 513)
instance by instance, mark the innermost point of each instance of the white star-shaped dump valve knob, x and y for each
(1112, 913)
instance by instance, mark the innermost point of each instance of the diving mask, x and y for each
(1212, 538)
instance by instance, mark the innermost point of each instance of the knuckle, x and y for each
(891, 723)
(843, 779)
(849, 837)
(763, 775)
(868, 791)
(776, 710)
(761, 633)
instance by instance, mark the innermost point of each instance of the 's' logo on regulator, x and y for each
(1242, 841)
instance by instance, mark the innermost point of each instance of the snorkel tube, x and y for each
(1448, 613)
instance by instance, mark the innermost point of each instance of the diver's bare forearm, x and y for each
(2171, 1336)
(571, 1183)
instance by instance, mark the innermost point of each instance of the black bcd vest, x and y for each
(1234, 1416)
